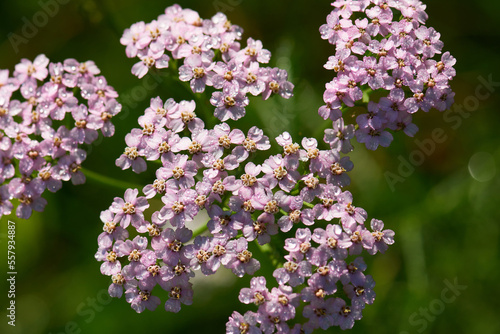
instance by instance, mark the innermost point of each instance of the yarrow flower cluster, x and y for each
(47, 112)
(180, 34)
(299, 193)
(384, 50)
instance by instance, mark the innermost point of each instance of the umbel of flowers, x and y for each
(48, 113)
(384, 50)
(299, 193)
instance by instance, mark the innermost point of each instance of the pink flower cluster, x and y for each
(247, 203)
(251, 197)
(37, 148)
(212, 170)
(384, 45)
(212, 56)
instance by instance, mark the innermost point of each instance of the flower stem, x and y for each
(309, 205)
(366, 95)
(108, 181)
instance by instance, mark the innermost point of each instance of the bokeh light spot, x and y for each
(482, 167)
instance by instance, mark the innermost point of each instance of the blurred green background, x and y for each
(445, 214)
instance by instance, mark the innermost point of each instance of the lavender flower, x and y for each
(129, 209)
(242, 324)
(240, 260)
(140, 300)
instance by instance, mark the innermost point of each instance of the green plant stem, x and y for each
(309, 205)
(366, 95)
(200, 230)
(108, 181)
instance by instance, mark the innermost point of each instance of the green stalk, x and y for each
(200, 230)
(108, 181)
(309, 205)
